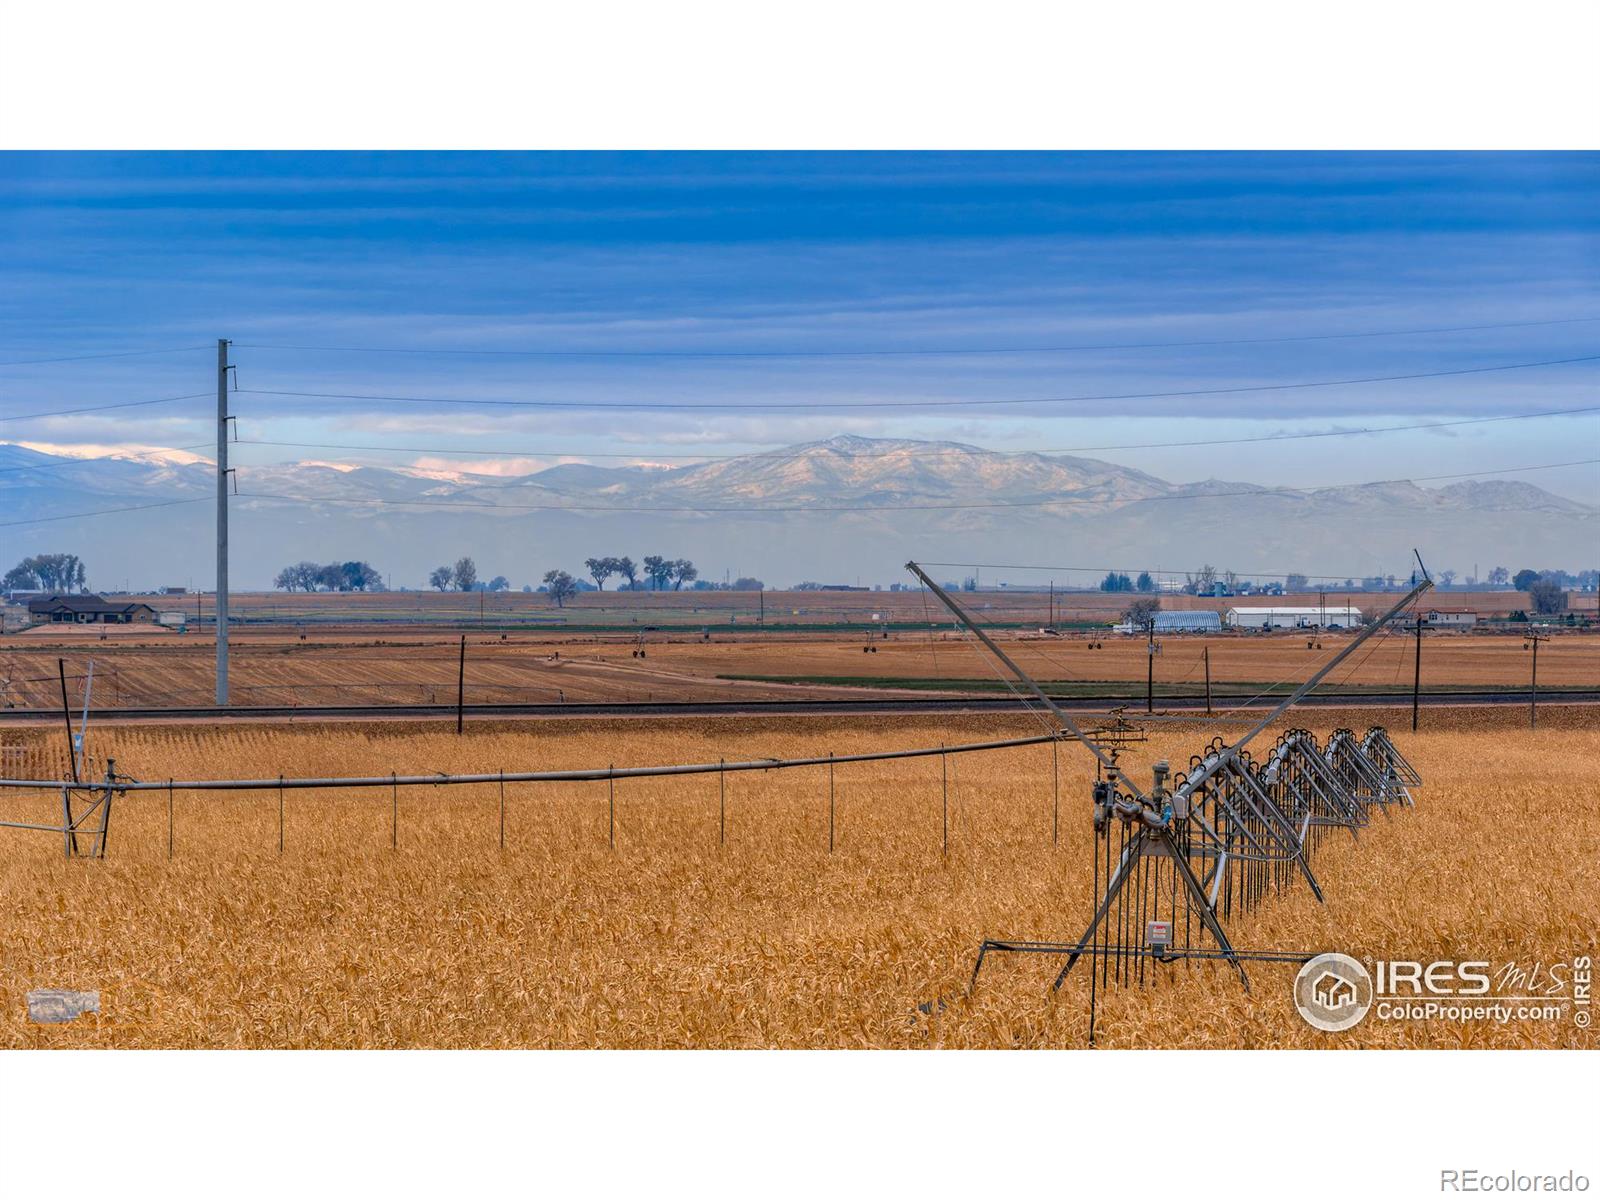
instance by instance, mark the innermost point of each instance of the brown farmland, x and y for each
(141, 667)
(672, 940)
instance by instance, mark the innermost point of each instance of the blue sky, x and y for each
(811, 254)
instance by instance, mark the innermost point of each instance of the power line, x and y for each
(794, 452)
(101, 512)
(28, 362)
(69, 412)
(1260, 493)
(802, 405)
(905, 353)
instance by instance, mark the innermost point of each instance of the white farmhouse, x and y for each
(1447, 618)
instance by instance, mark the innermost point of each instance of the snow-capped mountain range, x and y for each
(829, 510)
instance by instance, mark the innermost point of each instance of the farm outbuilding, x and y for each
(1198, 621)
(1330, 616)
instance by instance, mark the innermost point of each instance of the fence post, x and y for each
(944, 805)
(1055, 792)
(169, 816)
(830, 801)
(611, 805)
(722, 803)
(280, 814)
(394, 812)
(502, 808)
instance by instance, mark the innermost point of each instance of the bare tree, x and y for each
(600, 570)
(561, 586)
(628, 569)
(440, 578)
(1548, 597)
(465, 574)
(302, 576)
(683, 571)
(1203, 582)
(1141, 612)
(658, 571)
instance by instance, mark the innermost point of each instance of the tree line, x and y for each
(47, 573)
(463, 577)
(329, 577)
(65, 573)
(657, 570)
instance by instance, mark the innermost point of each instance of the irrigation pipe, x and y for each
(440, 780)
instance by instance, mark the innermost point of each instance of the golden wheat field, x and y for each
(769, 940)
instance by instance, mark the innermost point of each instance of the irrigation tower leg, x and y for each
(1130, 856)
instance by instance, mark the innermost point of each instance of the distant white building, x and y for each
(1331, 616)
(1447, 618)
(1200, 620)
(1177, 621)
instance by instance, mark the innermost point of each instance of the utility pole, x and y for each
(461, 685)
(1416, 679)
(1052, 621)
(1533, 681)
(1206, 653)
(222, 522)
(1150, 669)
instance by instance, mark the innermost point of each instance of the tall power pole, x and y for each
(1150, 668)
(1416, 678)
(1533, 681)
(222, 521)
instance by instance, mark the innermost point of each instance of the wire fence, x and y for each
(93, 797)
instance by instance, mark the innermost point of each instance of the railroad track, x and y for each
(845, 707)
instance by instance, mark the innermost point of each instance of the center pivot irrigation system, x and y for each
(1178, 860)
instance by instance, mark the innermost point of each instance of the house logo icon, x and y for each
(1333, 992)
